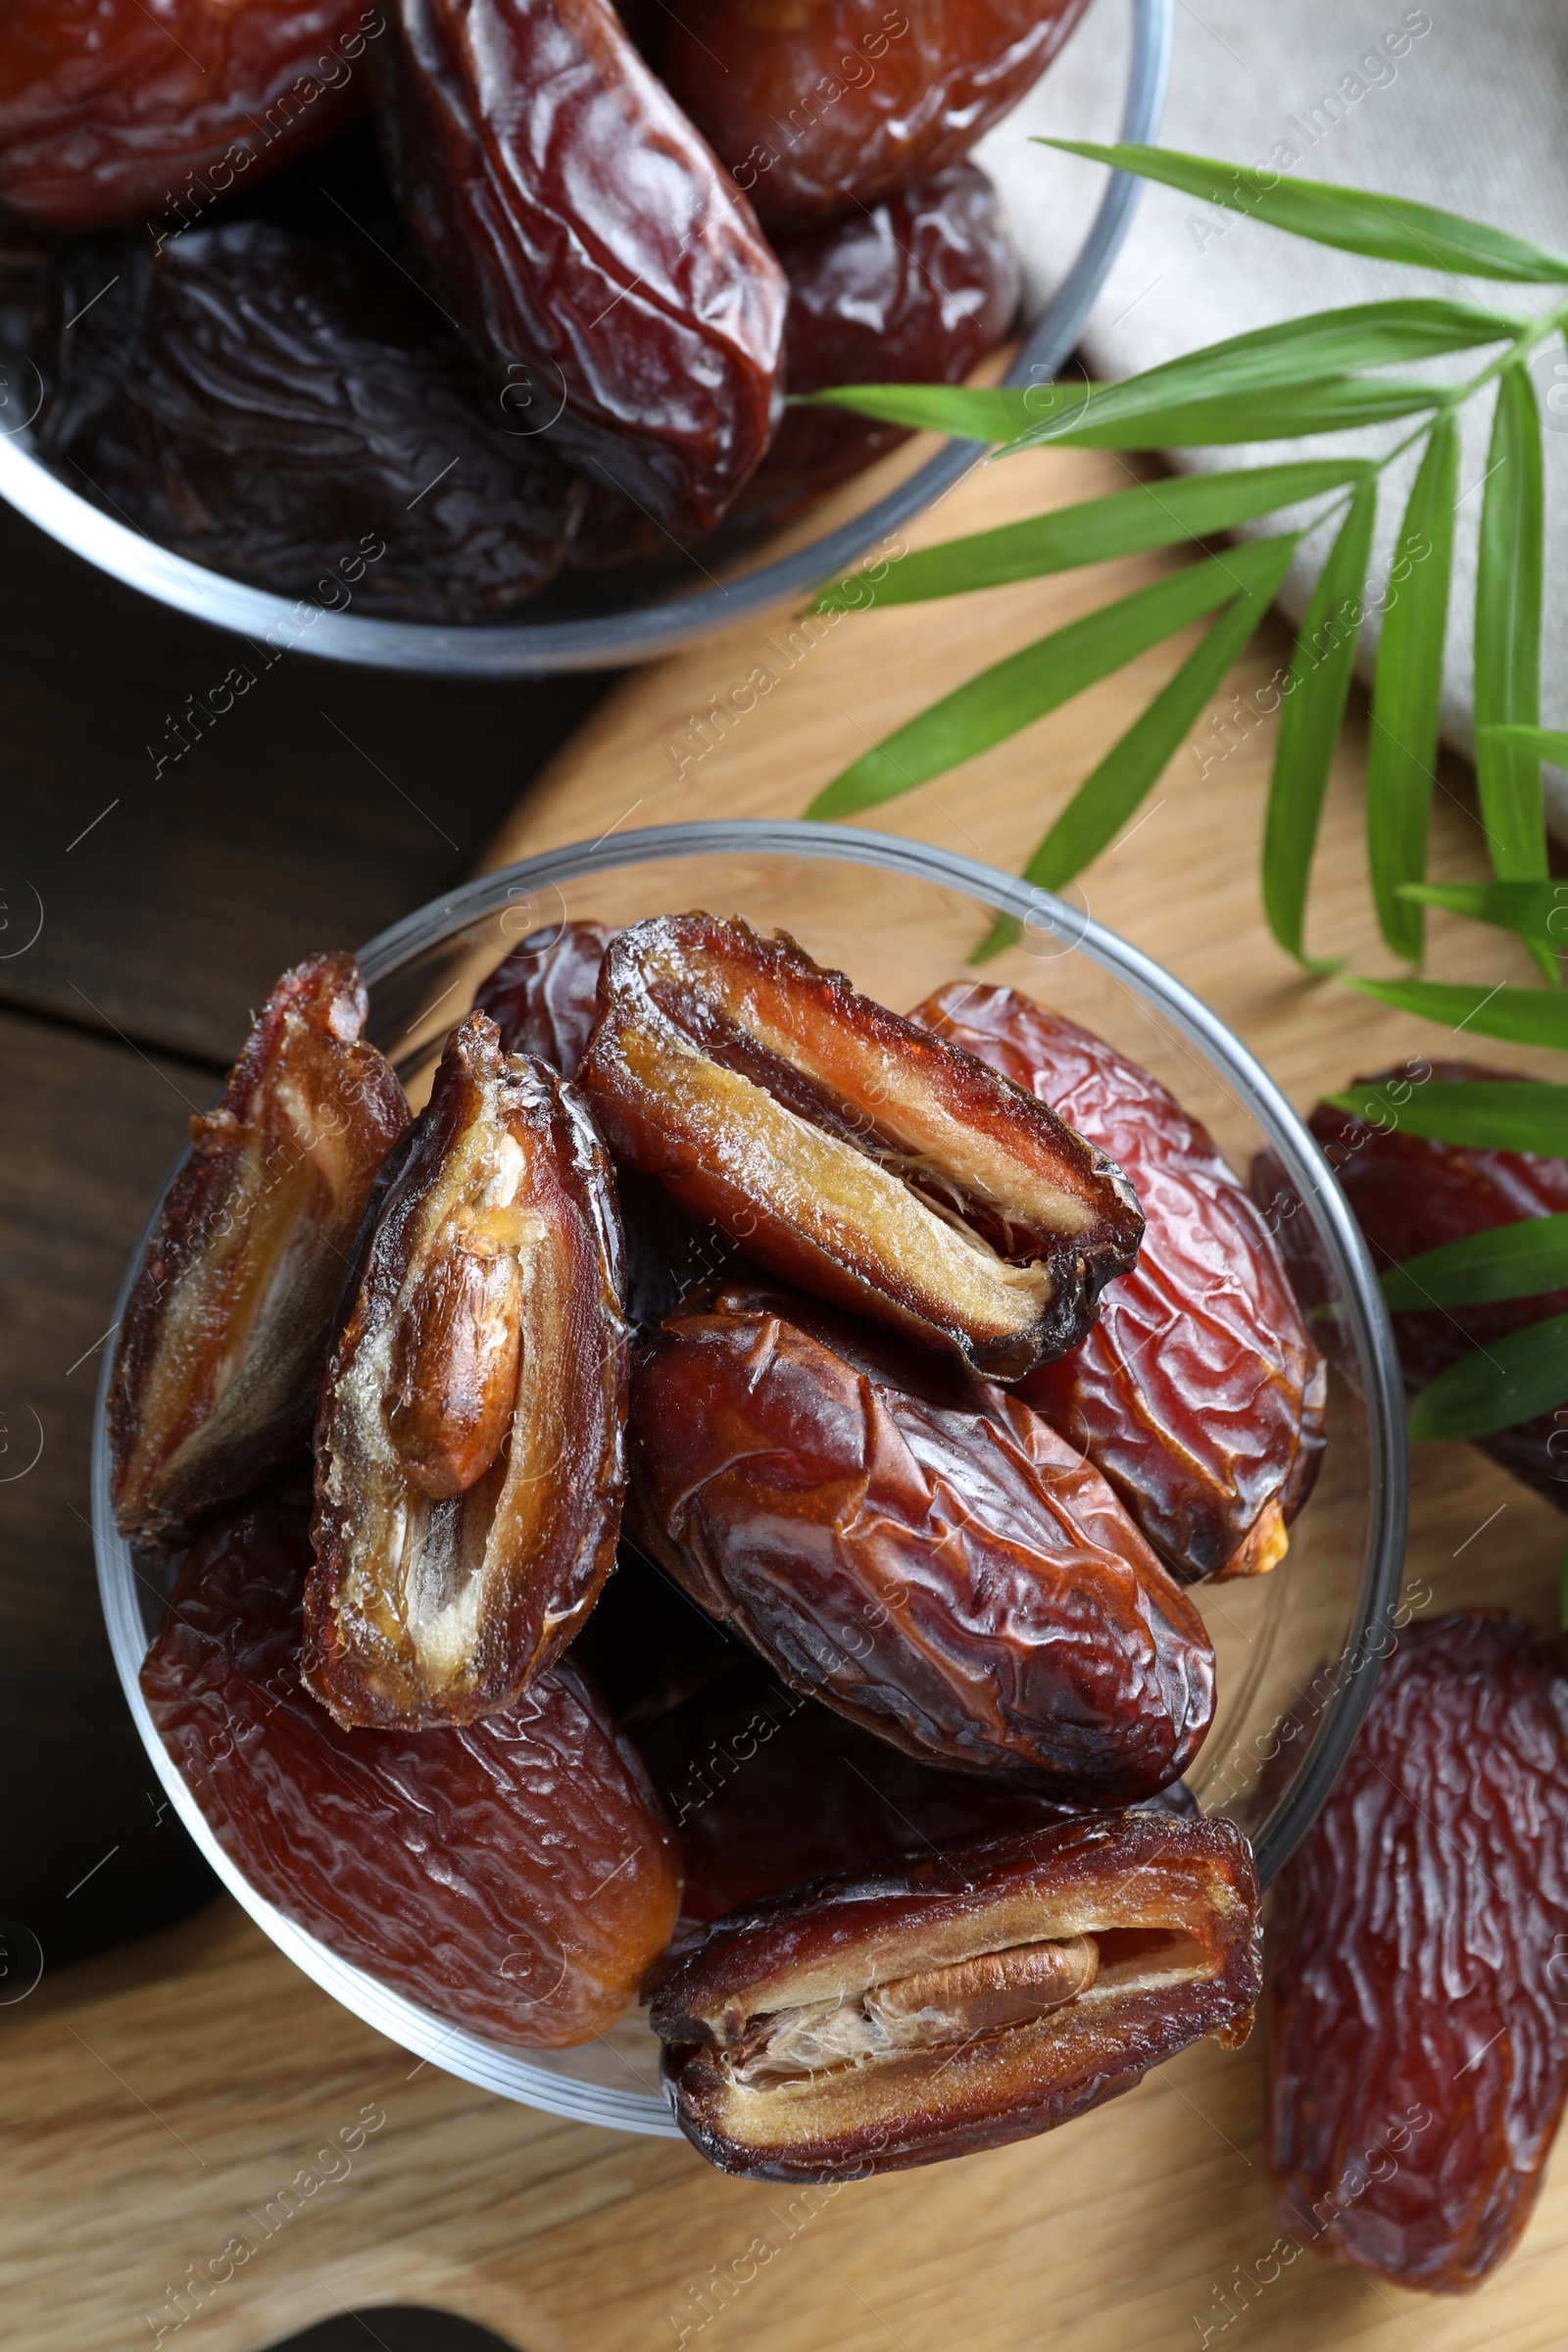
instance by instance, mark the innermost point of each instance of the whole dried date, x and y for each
(544, 995)
(1199, 1393)
(292, 411)
(470, 1450)
(111, 112)
(515, 1877)
(587, 243)
(850, 1151)
(917, 1548)
(226, 1334)
(957, 2001)
(766, 1789)
(1419, 2013)
(1410, 1194)
(916, 289)
(816, 106)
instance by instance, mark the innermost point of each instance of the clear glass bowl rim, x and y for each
(607, 641)
(506, 2071)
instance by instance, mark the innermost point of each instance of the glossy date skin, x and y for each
(852, 1151)
(291, 410)
(816, 106)
(515, 1877)
(956, 1999)
(916, 289)
(226, 1335)
(469, 1449)
(767, 1789)
(584, 239)
(113, 111)
(1409, 1195)
(544, 995)
(1419, 2024)
(1199, 1394)
(917, 1548)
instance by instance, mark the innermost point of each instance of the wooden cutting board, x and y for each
(199, 2148)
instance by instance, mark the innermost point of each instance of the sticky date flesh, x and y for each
(959, 2000)
(586, 243)
(1419, 2031)
(470, 1448)
(292, 411)
(111, 112)
(222, 1343)
(915, 1548)
(515, 1877)
(816, 108)
(849, 1151)
(1199, 1394)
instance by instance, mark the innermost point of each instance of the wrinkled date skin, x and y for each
(293, 411)
(959, 2000)
(544, 995)
(916, 289)
(1419, 2010)
(917, 1548)
(1409, 1195)
(852, 1151)
(587, 243)
(816, 106)
(515, 1877)
(113, 112)
(1199, 1394)
(470, 1450)
(767, 1789)
(222, 1343)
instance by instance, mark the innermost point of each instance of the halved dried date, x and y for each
(1199, 1393)
(587, 243)
(224, 1341)
(817, 106)
(470, 1446)
(515, 1877)
(915, 1548)
(1410, 1194)
(1419, 2012)
(850, 1151)
(292, 410)
(916, 289)
(957, 2000)
(113, 112)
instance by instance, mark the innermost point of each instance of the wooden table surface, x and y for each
(161, 2098)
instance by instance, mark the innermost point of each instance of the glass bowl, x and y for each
(1296, 1649)
(653, 611)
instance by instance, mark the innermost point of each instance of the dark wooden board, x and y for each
(324, 805)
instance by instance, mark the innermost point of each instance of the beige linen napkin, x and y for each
(1461, 103)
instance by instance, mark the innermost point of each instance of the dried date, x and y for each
(959, 1999)
(1199, 1394)
(915, 1548)
(850, 1151)
(1410, 1194)
(815, 109)
(515, 1876)
(226, 1334)
(1419, 2013)
(587, 244)
(916, 289)
(291, 410)
(113, 111)
(544, 995)
(470, 1450)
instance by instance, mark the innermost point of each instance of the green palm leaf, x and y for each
(1509, 594)
(1510, 1261)
(1402, 755)
(1490, 1115)
(1525, 1016)
(1510, 1380)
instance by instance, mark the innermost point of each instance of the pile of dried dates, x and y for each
(705, 1511)
(546, 321)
